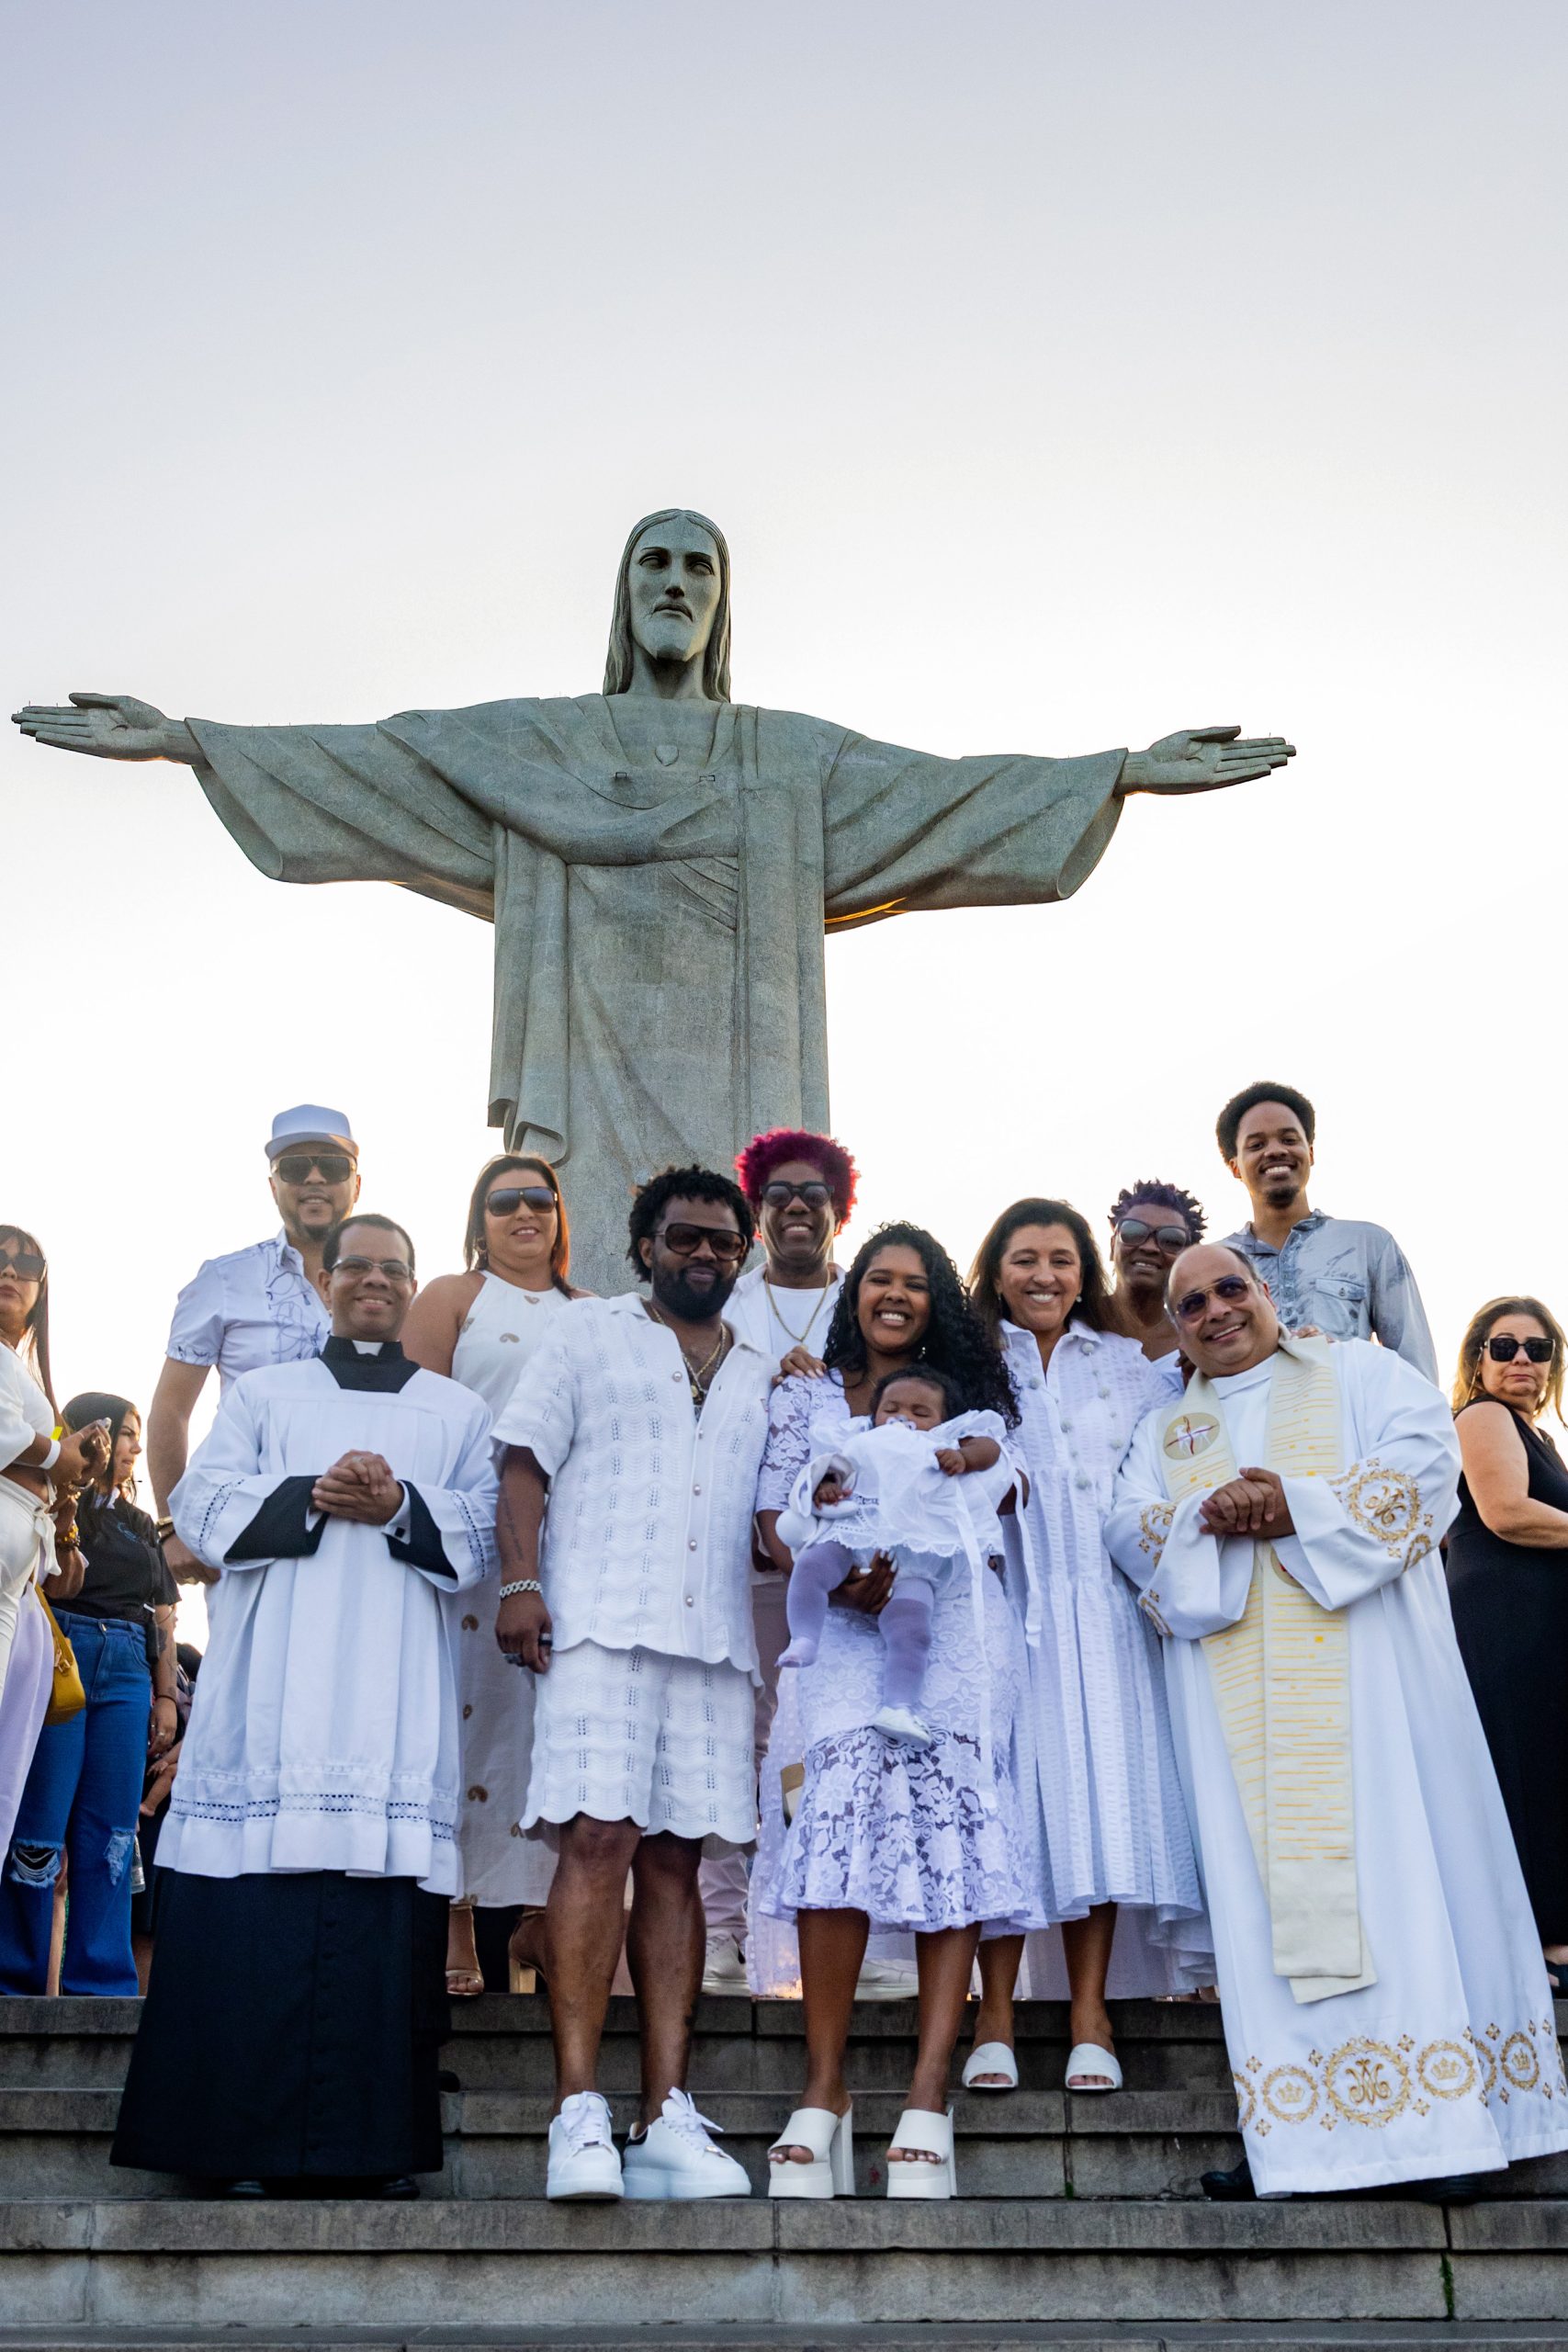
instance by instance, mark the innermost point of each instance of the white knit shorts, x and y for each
(634, 1735)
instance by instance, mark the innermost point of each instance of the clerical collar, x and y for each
(379, 1365)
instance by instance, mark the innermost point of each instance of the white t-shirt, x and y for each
(752, 1314)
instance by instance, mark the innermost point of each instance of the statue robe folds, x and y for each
(660, 990)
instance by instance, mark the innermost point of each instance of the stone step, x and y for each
(1352, 2335)
(483, 2264)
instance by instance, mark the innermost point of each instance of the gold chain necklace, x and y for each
(697, 1375)
(800, 1337)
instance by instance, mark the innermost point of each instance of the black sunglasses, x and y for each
(778, 1195)
(332, 1167)
(1505, 1347)
(1228, 1289)
(512, 1197)
(1171, 1238)
(687, 1240)
(26, 1264)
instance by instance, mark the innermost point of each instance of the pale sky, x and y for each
(1062, 374)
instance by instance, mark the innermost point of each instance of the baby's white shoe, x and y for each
(583, 2159)
(675, 2158)
(902, 1723)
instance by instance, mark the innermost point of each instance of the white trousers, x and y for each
(24, 1552)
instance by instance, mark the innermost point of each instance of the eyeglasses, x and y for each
(1171, 1238)
(26, 1264)
(1505, 1347)
(357, 1267)
(512, 1197)
(686, 1239)
(1227, 1290)
(293, 1167)
(778, 1195)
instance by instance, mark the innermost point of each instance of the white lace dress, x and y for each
(1115, 1821)
(917, 1839)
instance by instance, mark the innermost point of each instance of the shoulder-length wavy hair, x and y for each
(475, 1254)
(34, 1348)
(1467, 1379)
(715, 653)
(984, 1286)
(956, 1342)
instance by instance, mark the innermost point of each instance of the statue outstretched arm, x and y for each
(109, 727)
(1203, 758)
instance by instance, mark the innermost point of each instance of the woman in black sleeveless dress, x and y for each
(1507, 1565)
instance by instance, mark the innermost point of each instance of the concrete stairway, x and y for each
(1079, 2218)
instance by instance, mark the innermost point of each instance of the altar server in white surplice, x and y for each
(297, 1989)
(1385, 2005)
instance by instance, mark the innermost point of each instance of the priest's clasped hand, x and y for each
(359, 1487)
(1251, 1504)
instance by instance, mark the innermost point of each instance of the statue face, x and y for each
(673, 586)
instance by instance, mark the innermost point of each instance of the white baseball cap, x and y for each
(310, 1123)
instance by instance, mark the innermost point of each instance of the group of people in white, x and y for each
(1075, 1631)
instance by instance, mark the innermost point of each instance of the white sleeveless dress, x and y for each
(501, 1866)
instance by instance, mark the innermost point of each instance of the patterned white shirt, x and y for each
(255, 1307)
(647, 1539)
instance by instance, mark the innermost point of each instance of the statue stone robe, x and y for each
(660, 991)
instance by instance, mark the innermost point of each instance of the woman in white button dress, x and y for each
(1119, 1850)
(481, 1326)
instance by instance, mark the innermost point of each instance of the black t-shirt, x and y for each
(126, 1575)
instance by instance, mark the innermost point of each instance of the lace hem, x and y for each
(905, 1835)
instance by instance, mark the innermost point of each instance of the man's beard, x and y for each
(672, 1289)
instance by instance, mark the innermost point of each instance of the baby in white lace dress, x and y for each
(920, 1486)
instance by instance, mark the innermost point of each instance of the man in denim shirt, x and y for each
(1348, 1280)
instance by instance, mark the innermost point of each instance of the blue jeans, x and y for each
(83, 1795)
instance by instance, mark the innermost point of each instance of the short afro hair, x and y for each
(332, 1248)
(683, 1184)
(766, 1152)
(1167, 1196)
(1227, 1125)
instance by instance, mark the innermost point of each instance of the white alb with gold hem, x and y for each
(1447, 2061)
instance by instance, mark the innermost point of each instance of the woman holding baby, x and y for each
(895, 1459)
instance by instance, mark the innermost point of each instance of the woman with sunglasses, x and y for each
(1508, 1587)
(480, 1328)
(40, 1475)
(1117, 1840)
(84, 1792)
(1150, 1226)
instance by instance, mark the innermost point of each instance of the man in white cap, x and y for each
(258, 1306)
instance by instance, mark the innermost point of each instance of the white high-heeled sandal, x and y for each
(832, 2140)
(931, 2135)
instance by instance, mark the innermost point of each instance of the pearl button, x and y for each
(690, 1602)
(674, 1375)
(690, 1544)
(696, 1490)
(1082, 1479)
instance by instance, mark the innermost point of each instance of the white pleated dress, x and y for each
(1115, 1820)
(500, 1331)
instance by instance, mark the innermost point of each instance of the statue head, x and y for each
(673, 599)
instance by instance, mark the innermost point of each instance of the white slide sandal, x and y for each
(1088, 2058)
(990, 2058)
(932, 2134)
(830, 2138)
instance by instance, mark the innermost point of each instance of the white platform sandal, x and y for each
(832, 2140)
(933, 2135)
(991, 2058)
(1088, 2058)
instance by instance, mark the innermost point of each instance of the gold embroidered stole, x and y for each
(1282, 1683)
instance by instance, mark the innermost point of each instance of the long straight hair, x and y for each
(34, 1350)
(715, 653)
(984, 1283)
(474, 1251)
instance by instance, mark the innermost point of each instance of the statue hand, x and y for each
(1203, 759)
(109, 727)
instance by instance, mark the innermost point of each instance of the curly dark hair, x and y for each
(1227, 1127)
(985, 1288)
(1169, 1196)
(953, 1400)
(956, 1342)
(683, 1184)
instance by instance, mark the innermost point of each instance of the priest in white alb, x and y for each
(297, 1999)
(1385, 2006)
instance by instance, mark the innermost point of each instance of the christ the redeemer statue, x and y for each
(659, 864)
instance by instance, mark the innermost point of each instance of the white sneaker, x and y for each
(583, 2160)
(675, 2158)
(887, 1980)
(723, 1970)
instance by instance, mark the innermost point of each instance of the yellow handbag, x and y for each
(67, 1697)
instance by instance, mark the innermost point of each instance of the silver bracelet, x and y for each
(523, 1584)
